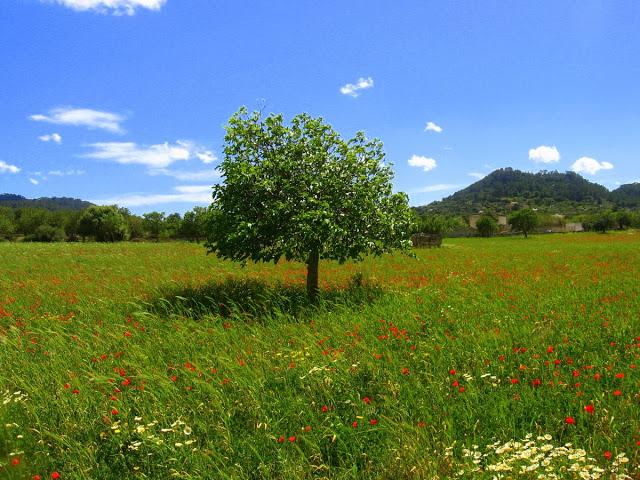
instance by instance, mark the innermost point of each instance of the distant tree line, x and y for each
(99, 223)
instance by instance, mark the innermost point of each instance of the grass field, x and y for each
(500, 357)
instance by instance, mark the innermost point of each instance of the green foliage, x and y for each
(623, 219)
(436, 224)
(194, 224)
(47, 233)
(487, 226)
(153, 224)
(105, 223)
(303, 193)
(524, 220)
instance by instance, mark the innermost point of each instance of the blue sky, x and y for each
(125, 100)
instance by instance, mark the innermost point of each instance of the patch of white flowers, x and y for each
(15, 397)
(143, 434)
(539, 458)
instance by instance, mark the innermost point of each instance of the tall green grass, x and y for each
(189, 367)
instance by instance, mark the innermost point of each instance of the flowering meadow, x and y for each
(487, 358)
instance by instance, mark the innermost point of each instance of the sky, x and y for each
(125, 101)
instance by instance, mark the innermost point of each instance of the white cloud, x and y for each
(432, 127)
(544, 154)
(194, 194)
(187, 176)
(66, 173)
(423, 162)
(154, 156)
(34, 181)
(206, 156)
(157, 157)
(477, 175)
(194, 189)
(82, 117)
(6, 168)
(440, 187)
(54, 137)
(353, 89)
(590, 165)
(116, 7)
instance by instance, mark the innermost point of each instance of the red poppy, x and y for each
(366, 400)
(452, 372)
(55, 475)
(589, 409)
(292, 438)
(325, 409)
(515, 381)
(373, 421)
(354, 424)
(536, 382)
(617, 393)
(15, 461)
(461, 389)
(405, 371)
(570, 421)
(608, 455)
(114, 412)
(549, 349)
(37, 477)
(619, 375)
(76, 391)
(281, 439)
(307, 428)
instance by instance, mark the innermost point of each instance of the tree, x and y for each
(105, 223)
(172, 225)
(487, 226)
(193, 226)
(303, 193)
(623, 219)
(524, 221)
(153, 223)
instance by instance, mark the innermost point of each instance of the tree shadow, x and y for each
(256, 301)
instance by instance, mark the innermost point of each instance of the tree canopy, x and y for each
(301, 192)
(524, 220)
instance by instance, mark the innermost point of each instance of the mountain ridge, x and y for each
(507, 189)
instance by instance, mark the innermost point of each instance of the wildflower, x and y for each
(536, 382)
(405, 371)
(589, 409)
(557, 361)
(37, 477)
(421, 424)
(354, 424)
(607, 455)
(281, 439)
(617, 393)
(461, 389)
(76, 391)
(114, 412)
(619, 375)
(452, 372)
(15, 461)
(596, 376)
(373, 421)
(325, 409)
(570, 421)
(55, 475)
(514, 381)
(127, 333)
(307, 428)
(366, 400)
(455, 383)
(292, 438)
(549, 349)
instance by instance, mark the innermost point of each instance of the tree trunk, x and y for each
(312, 275)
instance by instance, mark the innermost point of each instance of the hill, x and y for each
(48, 203)
(553, 192)
(627, 196)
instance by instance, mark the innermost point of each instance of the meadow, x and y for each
(486, 358)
